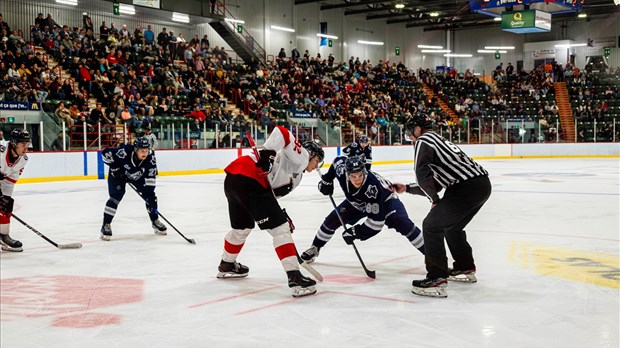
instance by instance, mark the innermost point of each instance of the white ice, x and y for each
(546, 246)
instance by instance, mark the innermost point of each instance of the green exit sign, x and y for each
(116, 9)
(397, 50)
(10, 119)
(607, 51)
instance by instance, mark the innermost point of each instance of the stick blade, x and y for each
(312, 271)
(70, 246)
(192, 241)
(371, 274)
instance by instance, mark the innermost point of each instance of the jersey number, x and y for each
(452, 146)
(297, 147)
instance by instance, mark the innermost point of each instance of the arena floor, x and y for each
(546, 246)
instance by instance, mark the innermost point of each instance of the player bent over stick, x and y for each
(252, 197)
(135, 165)
(367, 194)
(13, 159)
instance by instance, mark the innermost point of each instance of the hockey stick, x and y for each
(59, 246)
(369, 273)
(189, 240)
(303, 263)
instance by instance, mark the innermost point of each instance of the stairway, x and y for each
(444, 107)
(243, 45)
(566, 112)
(65, 75)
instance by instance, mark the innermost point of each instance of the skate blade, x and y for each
(14, 250)
(228, 275)
(298, 291)
(431, 292)
(160, 233)
(464, 278)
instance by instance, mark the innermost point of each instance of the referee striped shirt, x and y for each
(437, 161)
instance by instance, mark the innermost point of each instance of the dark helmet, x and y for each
(419, 120)
(19, 135)
(354, 165)
(141, 143)
(314, 149)
(363, 139)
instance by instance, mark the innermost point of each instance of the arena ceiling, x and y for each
(443, 14)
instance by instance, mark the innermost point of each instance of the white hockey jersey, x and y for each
(290, 162)
(10, 171)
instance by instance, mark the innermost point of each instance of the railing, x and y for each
(220, 9)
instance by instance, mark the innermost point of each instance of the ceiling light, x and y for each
(327, 36)
(434, 14)
(435, 51)
(497, 19)
(571, 45)
(68, 2)
(364, 42)
(499, 47)
(491, 51)
(399, 6)
(430, 47)
(282, 28)
(582, 15)
(127, 9)
(180, 17)
(232, 20)
(458, 55)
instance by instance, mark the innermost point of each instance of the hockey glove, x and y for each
(349, 235)
(265, 160)
(326, 187)
(6, 205)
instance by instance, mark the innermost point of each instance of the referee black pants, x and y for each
(454, 211)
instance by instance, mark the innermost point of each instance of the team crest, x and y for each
(121, 153)
(340, 170)
(372, 191)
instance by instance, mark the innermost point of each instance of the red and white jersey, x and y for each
(289, 164)
(10, 171)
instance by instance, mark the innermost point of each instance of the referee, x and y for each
(439, 164)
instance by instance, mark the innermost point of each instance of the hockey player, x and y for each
(368, 195)
(439, 164)
(252, 186)
(13, 159)
(137, 166)
(361, 149)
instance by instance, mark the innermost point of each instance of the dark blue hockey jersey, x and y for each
(371, 198)
(355, 149)
(125, 165)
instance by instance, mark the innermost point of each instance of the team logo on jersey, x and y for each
(153, 162)
(121, 153)
(372, 191)
(2, 148)
(340, 170)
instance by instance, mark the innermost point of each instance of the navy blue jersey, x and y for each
(355, 149)
(124, 164)
(372, 198)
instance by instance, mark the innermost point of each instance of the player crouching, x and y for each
(137, 166)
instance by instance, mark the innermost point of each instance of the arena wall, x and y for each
(78, 165)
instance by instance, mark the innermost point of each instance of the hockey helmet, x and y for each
(19, 135)
(141, 143)
(354, 165)
(363, 139)
(314, 149)
(419, 120)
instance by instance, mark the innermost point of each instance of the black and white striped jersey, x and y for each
(438, 161)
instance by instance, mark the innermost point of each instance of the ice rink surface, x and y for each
(546, 246)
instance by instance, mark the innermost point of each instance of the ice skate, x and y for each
(10, 244)
(430, 287)
(159, 228)
(464, 276)
(106, 232)
(300, 285)
(310, 255)
(232, 270)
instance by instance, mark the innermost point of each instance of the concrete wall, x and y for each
(51, 166)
